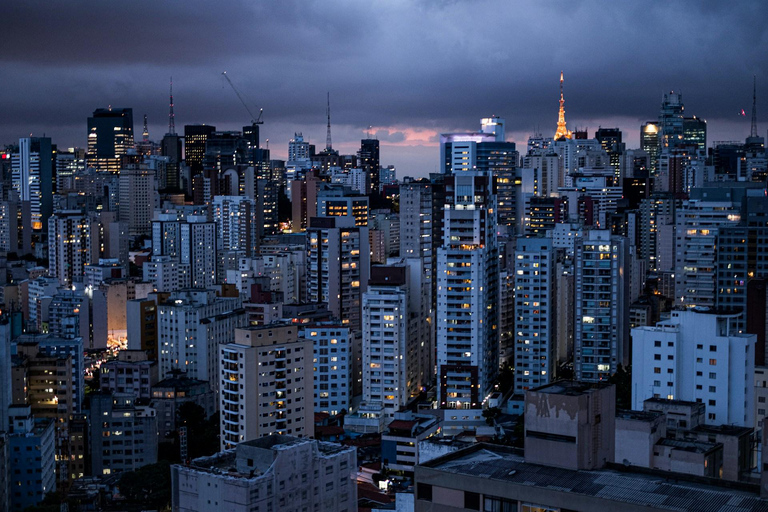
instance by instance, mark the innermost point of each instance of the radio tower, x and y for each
(328, 114)
(753, 132)
(145, 133)
(171, 117)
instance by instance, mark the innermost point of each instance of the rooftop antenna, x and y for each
(328, 114)
(753, 132)
(145, 133)
(171, 116)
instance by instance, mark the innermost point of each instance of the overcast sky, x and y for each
(410, 69)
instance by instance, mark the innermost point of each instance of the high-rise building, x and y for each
(138, 189)
(32, 468)
(671, 121)
(171, 148)
(467, 317)
(272, 473)
(237, 227)
(73, 242)
(368, 160)
(696, 356)
(650, 143)
(110, 136)
(33, 177)
(191, 325)
(198, 250)
(336, 200)
(536, 292)
(266, 384)
(334, 351)
(195, 139)
(610, 140)
(396, 348)
(695, 132)
(115, 418)
(338, 261)
(601, 334)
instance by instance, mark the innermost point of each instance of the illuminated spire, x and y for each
(171, 116)
(328, 146)
(562, 130)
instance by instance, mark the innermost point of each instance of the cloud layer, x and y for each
(408, 69)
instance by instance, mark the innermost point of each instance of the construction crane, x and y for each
(261, 111)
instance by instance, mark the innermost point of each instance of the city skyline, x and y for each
(411, 71)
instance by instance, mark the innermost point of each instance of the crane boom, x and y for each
(261, 111)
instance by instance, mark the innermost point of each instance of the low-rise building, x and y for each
(274, 473)
(401, 440)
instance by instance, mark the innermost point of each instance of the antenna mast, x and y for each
(145, 133)
(171, 116)
(328, 114)
(753, 132)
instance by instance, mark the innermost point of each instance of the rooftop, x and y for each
(652, 490)
(570, 387)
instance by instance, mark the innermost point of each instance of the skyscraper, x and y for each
(73, 242)
(110, 135)
(195, 138)
(601, 334)
(650, 143)
(368, 160)
(236, 224)
(32, 167)
(467, 318)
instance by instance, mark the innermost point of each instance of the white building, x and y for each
(165, 274)
(395, 335)
(236, 224)
(191, 325)
(198, 250)
(467, 319)
(697, 356)
(333, 360)
(138, 191)
(601, 332)
(265, 384)
(277, 473)
(535, 313)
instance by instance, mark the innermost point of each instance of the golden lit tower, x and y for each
(562, 130)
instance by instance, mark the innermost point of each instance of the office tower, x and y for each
(171, 148)
(695, 133)
(535, 313)
(73, 242)
(68, 164)
(262, 182)
(696, 227)
(138, 189)
(32, 468)
(33, 176)
(195, 139)
(610, 140)
(396, 349)
(601, 334)
(237, 227)
(335, 200)
(696, 356)
(543, 213)
(110, 136)
(191, 325)
(266, 384)
(338, 261)
(226, 149)
(333, 350)
(321, 477)
(650, 143)
(486, 152)
(116, 417)
(671, 121)
(467, 292)
(368, 160)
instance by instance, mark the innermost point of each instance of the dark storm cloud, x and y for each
(398, 66)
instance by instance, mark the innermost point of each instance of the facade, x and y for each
(32, 178)
(467, 319)
(535, 344)
(31, 454)
(131, 373)
(333, 349)
(110, 136)
(338, 262)
(601, 332)
(171, 393)
(396, 350)
(697, 356)
(403, 438)
(191, 325)
(274, 473)
(265, 385)
(73, 243)
(236, 222)
(123, 435)
(339, 201)
(138, 187)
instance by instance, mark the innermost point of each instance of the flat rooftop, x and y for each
(651, 490)
(570, 387)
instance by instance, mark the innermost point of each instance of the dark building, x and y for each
(368, 159)
(610, 140)
(195, 139)
(171, 147)
(649, 142)
(695, 132)
(110, 135)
